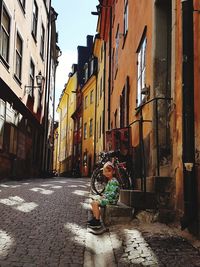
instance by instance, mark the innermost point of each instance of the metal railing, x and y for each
(141, 139)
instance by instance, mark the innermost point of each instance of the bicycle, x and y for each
(99, 181)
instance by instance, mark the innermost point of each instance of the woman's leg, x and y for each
(96, 209)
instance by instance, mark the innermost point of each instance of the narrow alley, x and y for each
(43, 223)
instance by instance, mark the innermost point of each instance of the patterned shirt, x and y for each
(111, 193)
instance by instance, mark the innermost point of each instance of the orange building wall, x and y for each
(176, 119)
(141, 13)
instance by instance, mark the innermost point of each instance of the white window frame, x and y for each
(116, 49)
(125, 17)
(86, 72)
(42, 40)
(35, 20)
(18, 58)
(141, 71)
(5, 36)
(31, 77)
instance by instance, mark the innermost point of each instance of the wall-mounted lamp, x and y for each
(95, 13)
(39, 79)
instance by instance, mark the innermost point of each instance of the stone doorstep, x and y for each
(119, 213)
(138, 199)
(148, 201)
(156, 184)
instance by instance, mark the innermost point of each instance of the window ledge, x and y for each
(5, 63)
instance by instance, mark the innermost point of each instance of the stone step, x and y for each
(156, 184)
(138, 199)
(120, 213)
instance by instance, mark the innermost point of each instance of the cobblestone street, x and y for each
(43, 223)
(154, 245)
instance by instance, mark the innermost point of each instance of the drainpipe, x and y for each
(104, 95)
(67, 134)
(46, 98)
(95, 116)
(110, 67)
(188, 157)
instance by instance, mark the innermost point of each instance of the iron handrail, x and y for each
(139, 108)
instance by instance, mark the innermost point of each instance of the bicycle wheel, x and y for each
(98, 181)
(124, 179)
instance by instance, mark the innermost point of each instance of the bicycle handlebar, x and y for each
(109, 153)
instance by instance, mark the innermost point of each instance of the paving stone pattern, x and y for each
(137, 244)
(43, 222)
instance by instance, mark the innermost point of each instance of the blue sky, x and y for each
(74, 23)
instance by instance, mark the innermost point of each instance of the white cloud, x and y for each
(68, 58)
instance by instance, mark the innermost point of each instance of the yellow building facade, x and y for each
(88, 136)
(99, 50)
(55, 151)
(70, 91)
(61, 151)
(66, 108)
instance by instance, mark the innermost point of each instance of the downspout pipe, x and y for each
(110, 68)
(46, 97)
(188, 142)
(104, 96)
(95, 115)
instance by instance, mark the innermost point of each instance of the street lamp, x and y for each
(39, 79)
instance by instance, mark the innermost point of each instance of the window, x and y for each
(141, 62)
(2, 121)
(13, 140)
(85, 130)
(5, 35)
(101, 88)
(18, 59)
(86, 72)
(100, 128)
(80, 122)
(86, 101)
(124, 105)
(75, 150)
(31, 77)
(115, 115)
(91, 96)
(35, 20)
(116, 49)
(113, 69)
(91, 67)
(125, 17)
(42, 42)
(91, 127)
